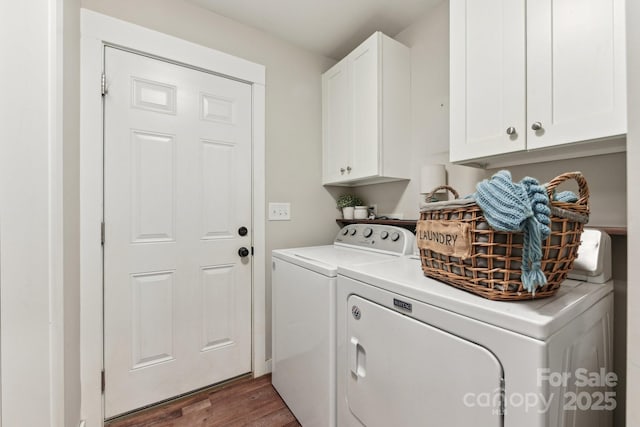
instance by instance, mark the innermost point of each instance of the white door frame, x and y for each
(97, 31)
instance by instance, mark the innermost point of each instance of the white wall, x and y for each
(633, 178)
(429, 42)
(293, 112)
(71, 211)
(24, 214)
(38, 349)
(428, 39)
(607, 179)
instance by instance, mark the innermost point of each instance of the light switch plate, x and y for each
(279, 211)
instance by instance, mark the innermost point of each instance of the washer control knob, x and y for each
(384, 235)
(395, 236)
(368, 232)
(345, 231)
(353, 232)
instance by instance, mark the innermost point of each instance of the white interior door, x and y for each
(177, 189)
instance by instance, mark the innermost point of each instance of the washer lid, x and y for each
(536, 318)
(326, 259)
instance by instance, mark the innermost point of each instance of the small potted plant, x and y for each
(348, 202)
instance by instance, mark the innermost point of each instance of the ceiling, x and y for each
(328, 27)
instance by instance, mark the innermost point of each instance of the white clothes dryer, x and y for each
(304, 312)
(413, 351)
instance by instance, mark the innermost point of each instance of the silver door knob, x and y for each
(511, 130)
(349, 169)
(536, 126)
(341, 171)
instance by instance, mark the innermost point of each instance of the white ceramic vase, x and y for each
(361, 212)
(347, 212)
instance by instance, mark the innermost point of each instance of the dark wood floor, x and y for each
(247, 402)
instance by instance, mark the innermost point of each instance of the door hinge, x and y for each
(102, 381)
(102, 233)
(251, 250)
(103, 84)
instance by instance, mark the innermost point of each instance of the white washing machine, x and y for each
(304, 312)
(413, 351)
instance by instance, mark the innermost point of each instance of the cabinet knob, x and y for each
(349, 169)
(511, 130)
(341, 171)
(536, 126)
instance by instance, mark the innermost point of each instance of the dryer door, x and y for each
(404, 372)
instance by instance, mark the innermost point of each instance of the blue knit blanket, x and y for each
(520, 207)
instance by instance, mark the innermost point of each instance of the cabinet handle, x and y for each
(511, 130)
(536, 126)
(341, 171)
(349, 169)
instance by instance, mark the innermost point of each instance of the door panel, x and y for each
(365, 88)
(336, 110)
(217, 306)
(403, 372)
(152, 318)
(177, 188)
(217, 160)
(575, 70)
(153, 183)
(487, 77)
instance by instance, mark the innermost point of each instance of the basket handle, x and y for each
(443, 187)
(582, 186)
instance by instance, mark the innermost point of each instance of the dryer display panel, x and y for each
(405, 372)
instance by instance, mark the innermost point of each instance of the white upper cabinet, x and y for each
(487, 78)
(336, 117)
(576, 78)
(536, 74)
(366, 114)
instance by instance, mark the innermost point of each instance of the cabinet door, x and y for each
(364, 70)
(576, 70)
(487, 78)
(336, 119)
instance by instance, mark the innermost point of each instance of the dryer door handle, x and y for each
(358, 358)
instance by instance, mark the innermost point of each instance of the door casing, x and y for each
(98, 30)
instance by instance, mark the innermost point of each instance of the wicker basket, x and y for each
(491, 268)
